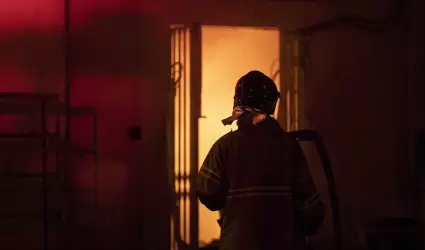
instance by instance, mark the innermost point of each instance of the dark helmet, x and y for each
(258, 91)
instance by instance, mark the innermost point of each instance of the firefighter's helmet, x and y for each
(257, 91)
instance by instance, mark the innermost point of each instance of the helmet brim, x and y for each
(229, 120)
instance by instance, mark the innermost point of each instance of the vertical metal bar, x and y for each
(67, 42)
(171, 132)
(179, 90)
(57, 138)
(67, 101)
(44, 175)
(295, 70)
(184, 89)
(195, 114)
(58, 148)
(287, 86)
(96, 162)
(301, 87)
(282, 103)
(291, 84)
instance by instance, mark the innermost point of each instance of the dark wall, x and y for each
(366, 98)
(118, 67)
(358, 107)
(114, 61)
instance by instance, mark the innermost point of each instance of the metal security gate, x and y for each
(184, 112)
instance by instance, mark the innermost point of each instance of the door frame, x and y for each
(195, 76)
(291, 84)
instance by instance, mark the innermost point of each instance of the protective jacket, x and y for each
(257, 176)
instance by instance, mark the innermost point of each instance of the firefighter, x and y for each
(258, 178)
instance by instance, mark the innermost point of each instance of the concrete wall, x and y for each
(364, 95)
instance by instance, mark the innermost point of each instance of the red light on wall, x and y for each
(19, 14)
(29, 14)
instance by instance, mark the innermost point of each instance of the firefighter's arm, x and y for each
(210, 184)
(309, 207)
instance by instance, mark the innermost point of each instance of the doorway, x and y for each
(225, 53)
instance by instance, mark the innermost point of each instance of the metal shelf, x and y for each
(27, 175)
(28, 135)
(40, 104)
(27, 95)
(45, 142)
(20, 215)
(8, 108)
(34, 146)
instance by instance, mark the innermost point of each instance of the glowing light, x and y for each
(227, 54)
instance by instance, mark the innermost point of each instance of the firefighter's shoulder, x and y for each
(226, 139)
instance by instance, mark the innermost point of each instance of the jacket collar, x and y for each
(268, 124)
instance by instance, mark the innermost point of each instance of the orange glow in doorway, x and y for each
(227, 54)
